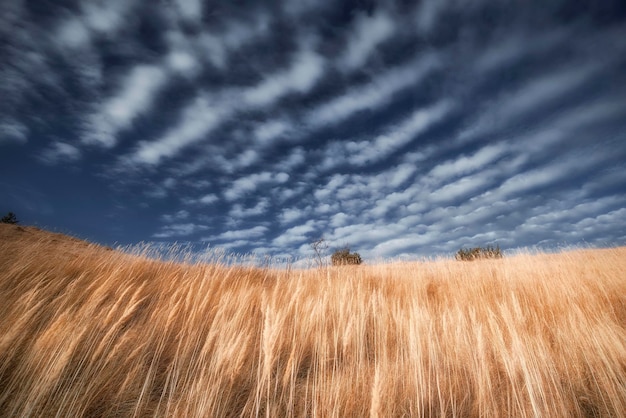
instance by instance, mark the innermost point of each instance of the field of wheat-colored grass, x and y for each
(89, 332)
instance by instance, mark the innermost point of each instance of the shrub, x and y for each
(476, 253)
(344, 257)
(9, 218)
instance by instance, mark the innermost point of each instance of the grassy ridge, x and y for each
(90, 332)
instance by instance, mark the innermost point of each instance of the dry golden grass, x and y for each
(90, 332)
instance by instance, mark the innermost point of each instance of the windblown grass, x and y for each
(90, 332)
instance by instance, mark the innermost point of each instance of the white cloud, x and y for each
(289, 215)
(180, 230)
(208, 199)
(339, 219)
(388, 202)
(357, 234)
(400, 174)
(107, 17)
(547, 88)
(190, 9)
(73, 33)
(245, 185)
(239, 212)
(137, 91)
(516, 45)
(178, 216)
(134, 97)
(268, 131)
(427, 14)
(198, 120)
(60, 152)
(373, 95)
(537, 177)
(244, 234)
(215, 50)
(246, 158)
(300, 78)
(94, 18)
(295, 235)
(13, 132)
(218, 46)
(182, 62)
(467, 164)
(296, 157)
(511, 106)
(204, 114)
(281, 177)
(369, 32)
(384, 145)
(463, 187)
(335, 183)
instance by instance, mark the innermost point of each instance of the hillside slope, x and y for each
(86, 331)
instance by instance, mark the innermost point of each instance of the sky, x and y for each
(400, 129)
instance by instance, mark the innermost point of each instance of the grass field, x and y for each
(87, 331)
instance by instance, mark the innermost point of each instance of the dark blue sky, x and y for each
(398, 128)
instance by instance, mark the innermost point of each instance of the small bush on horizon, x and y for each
(477, 253)
(9, 218)
(344, 257)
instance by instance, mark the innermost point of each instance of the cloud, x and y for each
(540, 92)
(305, 70)
(73, 34)
(516, 45)
(339, 219)
(178, 216)
(248, 184)
(207, 112)
(218, 46)
(208, 199)
(368, 33)
(107, 18)
(537, 94)
(180, 230)
(60, 152)
(290, 215)
(239, 212)
(295, 235)
(384, 145)
(401, 174)
(372, 95)
(93, 19)
(465, 186)
(198, 120)
(266, 132)
(190, 9)
(12, 131)
(134, 97)
(427, 14)
(244, 234)
(466, 164)
(182, 62)
(407, 242)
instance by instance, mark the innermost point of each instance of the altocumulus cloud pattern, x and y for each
(401, 128)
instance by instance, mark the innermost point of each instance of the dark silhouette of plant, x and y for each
(477, 253)
(9, 218)
(319, 246)
(344, 257)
